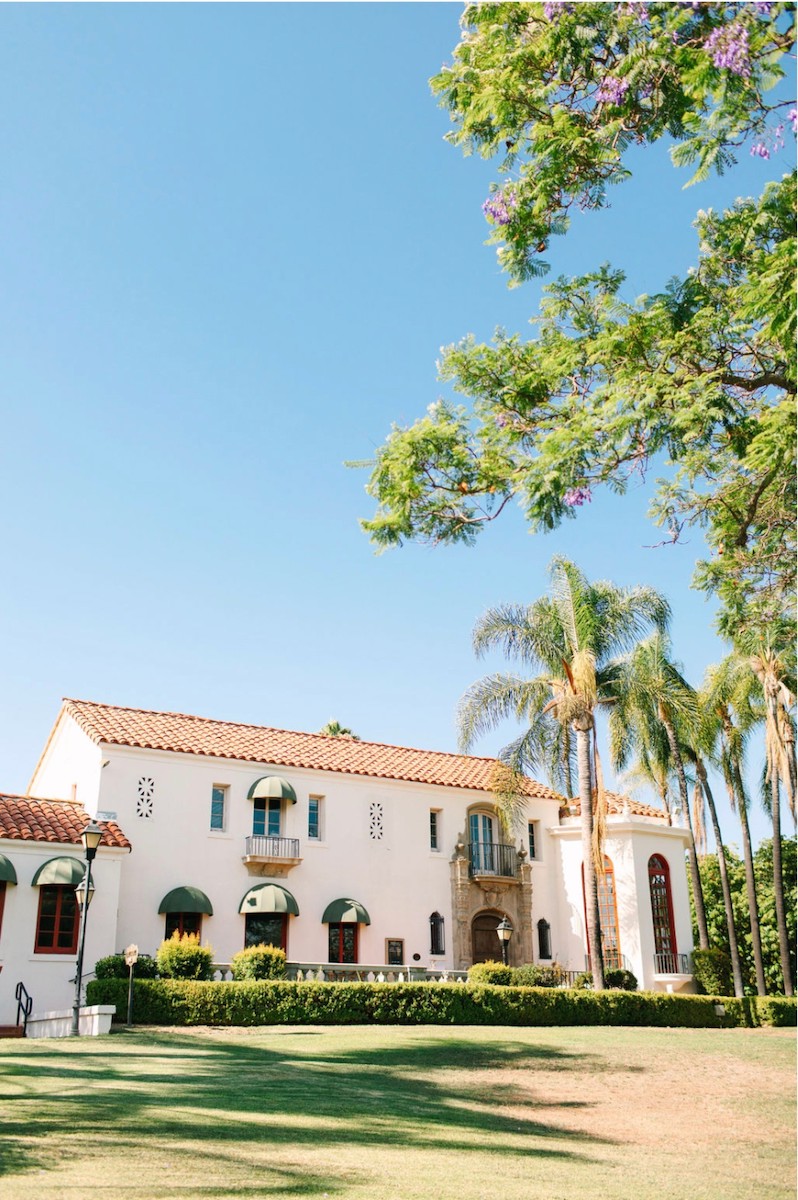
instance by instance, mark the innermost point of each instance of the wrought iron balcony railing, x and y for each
(672, 964)
(264, 846)
(492, 858)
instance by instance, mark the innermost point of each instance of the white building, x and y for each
(344, 852)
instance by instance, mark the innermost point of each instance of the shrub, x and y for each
(490, 972)
(182, 957)
(115, 967)
(617, 978)
(552, 975)
(284, 1002)
(713, 972)
(259, 962)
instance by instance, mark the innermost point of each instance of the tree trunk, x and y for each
(692, 857)
(778, 886)
(750, 880)
(590, 879)
(734, 950)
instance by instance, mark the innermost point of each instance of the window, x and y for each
(58, 920)
(659, 886)
(436, 940)
(395, 952)
(183, 923)
(266, 817)
(608, 916)
(532, 833)
(544, 939)
(342, 944)
(218, 805)
(266, 929)
(314, 817)
(434, 829)
(483, 855)
(2, 900)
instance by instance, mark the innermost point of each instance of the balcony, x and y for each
(274, 856)
(672, 964)
(493, 860)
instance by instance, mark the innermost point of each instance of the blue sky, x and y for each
(233, 241)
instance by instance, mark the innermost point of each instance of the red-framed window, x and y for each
(183, 923)
(659, 886)
(342, 942)
(58, 921)
(608, 916)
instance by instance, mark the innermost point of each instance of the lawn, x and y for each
(401, 1113)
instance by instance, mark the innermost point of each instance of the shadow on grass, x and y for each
(241, 1098)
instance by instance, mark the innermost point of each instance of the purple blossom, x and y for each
(728, 45)
(612, 90)
(576, 497)
(636, 8)
(794, 119)
(763, 6)
(498, 207)
(550, 11)
(760, 150)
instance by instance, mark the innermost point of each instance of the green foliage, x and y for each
(115, 967)
(490, 972)
(698, 377)
(538, 975)
(713, 972)
(182, 957)
(763, 875)
(616, 977)
(259, 962)
(560, 92)
(282, 1002)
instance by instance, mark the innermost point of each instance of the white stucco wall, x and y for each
(46, 976)
(629, 844)
(398, 879)
(70, 766)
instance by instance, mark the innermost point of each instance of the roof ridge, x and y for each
(40, 799)
(157, 712)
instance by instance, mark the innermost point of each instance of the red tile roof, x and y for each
(617, 806)
(24, 819)
(280, 747)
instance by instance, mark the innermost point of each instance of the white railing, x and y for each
(264, 846)
(672, 964)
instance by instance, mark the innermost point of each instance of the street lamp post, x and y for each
(90, 837)
(505, 931)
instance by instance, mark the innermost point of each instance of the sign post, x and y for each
(131, 958)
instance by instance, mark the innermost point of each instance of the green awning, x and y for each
(269, 898)
(7, 872)
(59, 870)
(348, 911)
(271, 787)
(186, 900)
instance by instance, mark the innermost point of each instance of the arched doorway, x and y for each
(485, 944)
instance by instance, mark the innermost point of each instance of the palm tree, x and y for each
(653, 697)
(570, 636)
(336, 729)
(769, 663)
(728, 696)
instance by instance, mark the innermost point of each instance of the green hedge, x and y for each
(283, 1002)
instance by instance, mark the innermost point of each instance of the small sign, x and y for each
(131, 955)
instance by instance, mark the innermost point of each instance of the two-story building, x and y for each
(343, 852)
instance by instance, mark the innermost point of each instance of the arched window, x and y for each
(436, 939)
(659, 886)
(608, 916)
(544, 939)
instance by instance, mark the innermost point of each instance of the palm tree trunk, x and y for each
(734, 950)
(692, 857)
(738, 795)
(590, 879)
(778, 885)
